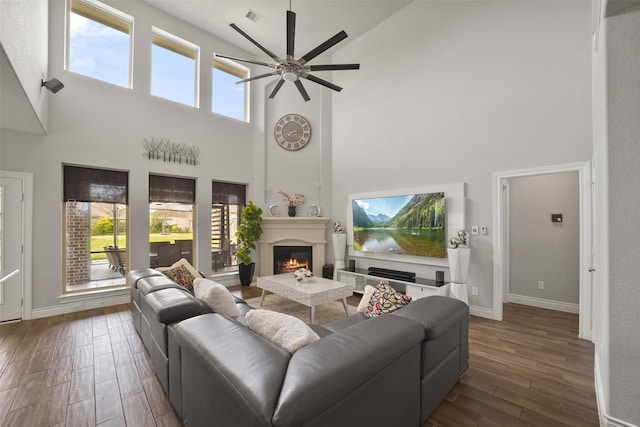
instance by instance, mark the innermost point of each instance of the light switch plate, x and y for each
(474, 230)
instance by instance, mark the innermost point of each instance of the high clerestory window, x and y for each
(228, 97)
(174, 69)
(99, 42)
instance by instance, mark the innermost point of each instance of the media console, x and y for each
(415, 287)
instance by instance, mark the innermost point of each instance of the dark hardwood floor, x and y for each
(90, 368)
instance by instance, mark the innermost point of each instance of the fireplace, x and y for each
(287, 259)
(289, 233)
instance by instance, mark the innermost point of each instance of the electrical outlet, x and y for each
(483, 229)
(474, 230)
(540, 285)
(474, 290)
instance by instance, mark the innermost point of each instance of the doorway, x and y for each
(501, 244)
(15, 229)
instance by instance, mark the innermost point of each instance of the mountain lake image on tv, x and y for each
(412, 224)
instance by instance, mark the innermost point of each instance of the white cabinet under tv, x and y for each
(419, 289)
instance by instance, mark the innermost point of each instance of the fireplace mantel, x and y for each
(293, 231)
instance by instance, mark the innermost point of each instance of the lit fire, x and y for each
(291, 265)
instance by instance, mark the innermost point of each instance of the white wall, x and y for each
(454, 91)
(97, 124)
(24, 37)
(618, 132)
(540, 250)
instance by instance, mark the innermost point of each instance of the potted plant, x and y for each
(249, 231)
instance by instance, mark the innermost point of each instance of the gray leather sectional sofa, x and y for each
(392, 370)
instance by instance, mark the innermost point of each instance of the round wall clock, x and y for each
(292, 132)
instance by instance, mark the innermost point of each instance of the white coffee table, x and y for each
(314, 291)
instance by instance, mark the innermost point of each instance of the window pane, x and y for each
(228, 97)
(96, 245)
(173, 75)
(224, 224)
(98, 50)
(170, 233)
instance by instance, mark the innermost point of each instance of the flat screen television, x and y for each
(411, 224)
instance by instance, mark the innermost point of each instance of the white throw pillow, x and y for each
(366, 298)
(216, 296)
(287, 331)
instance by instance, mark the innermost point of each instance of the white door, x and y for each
(11, 248)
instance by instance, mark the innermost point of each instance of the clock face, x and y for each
(292, 132)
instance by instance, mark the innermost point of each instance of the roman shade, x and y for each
(226, 193)
(170, 189)
(83, 184)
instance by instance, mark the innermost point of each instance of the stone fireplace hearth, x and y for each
(296, 231)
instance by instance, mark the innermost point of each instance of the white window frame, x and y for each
(180, 46)
(239, 71)
(103, 14)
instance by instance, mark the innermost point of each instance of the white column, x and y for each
(458, 268)
(339, 252)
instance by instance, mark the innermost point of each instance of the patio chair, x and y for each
(168, 254)
(109, 251)
(121, 255)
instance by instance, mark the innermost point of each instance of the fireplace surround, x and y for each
(295, 231)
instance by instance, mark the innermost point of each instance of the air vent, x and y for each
(253, 16)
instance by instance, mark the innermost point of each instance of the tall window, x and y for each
(95, 228)
(174, 69)
(228, 97)
(99, 42)
(171, 203)
(227, 202)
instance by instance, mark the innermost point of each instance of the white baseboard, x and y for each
(226, 279)
(545, 303)
(605, 419)
(82, 302)
(481, 312)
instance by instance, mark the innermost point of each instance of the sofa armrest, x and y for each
(229, 374)
(436, 313)
(343, 378)
(446, 328)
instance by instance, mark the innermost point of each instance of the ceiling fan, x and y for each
(291, 69)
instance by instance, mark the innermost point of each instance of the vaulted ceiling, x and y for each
(317, 20)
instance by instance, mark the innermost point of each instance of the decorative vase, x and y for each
(292, 210)
(245, 273)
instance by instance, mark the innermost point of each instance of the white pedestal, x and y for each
(339, 252)
(458, 269)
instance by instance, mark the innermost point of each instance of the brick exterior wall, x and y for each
(78, 250)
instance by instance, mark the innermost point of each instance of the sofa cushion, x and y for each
(385, 300)
(182, 276)
(287, 331)
(216, 296)
(366, 298)
(146, 285)
(183, 262)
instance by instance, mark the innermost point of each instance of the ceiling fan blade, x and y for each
(334, 67)
(276, 88)
(324, 46)
(250, 61)
(321, 82)
(258, 45)
(291, 33)
(301, 89)
(275, 73)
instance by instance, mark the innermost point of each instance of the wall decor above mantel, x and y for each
(170, 151)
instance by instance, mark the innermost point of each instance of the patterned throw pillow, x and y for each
(182, 276)
(385, 300)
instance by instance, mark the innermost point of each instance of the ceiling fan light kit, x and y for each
(291, 69)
